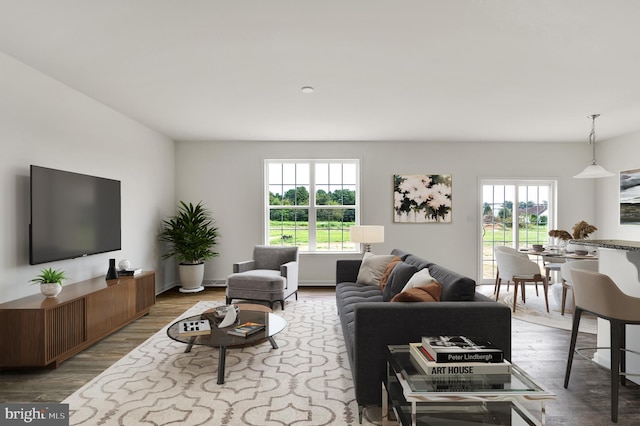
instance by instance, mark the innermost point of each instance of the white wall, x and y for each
(45, 123)
(228, 177)
(617, 154)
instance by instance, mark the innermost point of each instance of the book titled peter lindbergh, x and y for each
(461, 349)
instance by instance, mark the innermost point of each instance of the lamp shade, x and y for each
(367, 234)
(593, 171)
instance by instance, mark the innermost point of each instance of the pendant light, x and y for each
(594, 170)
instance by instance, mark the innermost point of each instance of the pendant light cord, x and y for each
(592, 137)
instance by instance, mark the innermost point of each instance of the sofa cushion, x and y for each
(420, 278)
(417, 261)
(400, 253)
(373, 267)
(455, 287)
(398, 278)
(424, 293)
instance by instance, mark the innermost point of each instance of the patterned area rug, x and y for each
(535, 311)
(306, 381)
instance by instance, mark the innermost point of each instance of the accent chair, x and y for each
(271, 276)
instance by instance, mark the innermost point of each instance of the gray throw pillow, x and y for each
(399, 277)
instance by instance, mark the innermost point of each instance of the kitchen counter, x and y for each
(610, 244)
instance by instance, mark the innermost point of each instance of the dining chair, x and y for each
(599, 295)
(552, 264)
(567, 280)
(520, 270)
(505, 249)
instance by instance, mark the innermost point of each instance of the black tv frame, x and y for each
(72, 215)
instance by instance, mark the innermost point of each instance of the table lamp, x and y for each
(367, 235)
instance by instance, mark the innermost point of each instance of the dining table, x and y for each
(559, 252)
(553, 257)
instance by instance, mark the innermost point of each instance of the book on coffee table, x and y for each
(194, 328)
(461, 349)
(432, 368)
(246, 329)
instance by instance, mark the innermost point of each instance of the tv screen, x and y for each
(72, 215)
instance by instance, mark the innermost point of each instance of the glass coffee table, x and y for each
(418, 398)
(219, 338)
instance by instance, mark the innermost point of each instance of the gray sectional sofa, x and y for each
(370, 321)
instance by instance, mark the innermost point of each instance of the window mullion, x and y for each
(312, 207)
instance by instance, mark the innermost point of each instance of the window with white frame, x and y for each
(311, 204)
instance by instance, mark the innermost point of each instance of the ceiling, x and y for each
(418, 70)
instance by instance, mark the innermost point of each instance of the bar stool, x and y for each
(567, 280)
(597, 294)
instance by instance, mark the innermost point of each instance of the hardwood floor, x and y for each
(541, 351)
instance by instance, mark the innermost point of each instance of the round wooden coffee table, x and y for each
(218, 337)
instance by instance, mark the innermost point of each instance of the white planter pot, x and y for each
(191, 277)
(50, 289)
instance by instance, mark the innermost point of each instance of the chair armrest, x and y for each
(290, 271)
(347, 270)
(245, 266)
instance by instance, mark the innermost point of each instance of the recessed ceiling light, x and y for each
(307, 89)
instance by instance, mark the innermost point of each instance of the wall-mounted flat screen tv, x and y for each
(72, 215)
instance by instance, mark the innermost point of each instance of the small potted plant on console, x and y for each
(50, 281)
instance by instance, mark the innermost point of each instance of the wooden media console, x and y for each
(40, 332)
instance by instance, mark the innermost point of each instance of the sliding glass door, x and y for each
(515, 213)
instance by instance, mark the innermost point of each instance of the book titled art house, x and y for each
(461, 349)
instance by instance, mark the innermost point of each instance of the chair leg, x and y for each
(228, 300)
(282, 304)
(545, 284)
(495, 286)
(497, 291)
(577, 313)
(623, 354)
(616, 340)
(515, 294)
(547, 271)
(564, 297)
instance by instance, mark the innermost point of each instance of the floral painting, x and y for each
(422, 198)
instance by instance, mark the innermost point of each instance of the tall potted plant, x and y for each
(191, 236)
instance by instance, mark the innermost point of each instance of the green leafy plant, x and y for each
(191, 234)
(49, 276)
